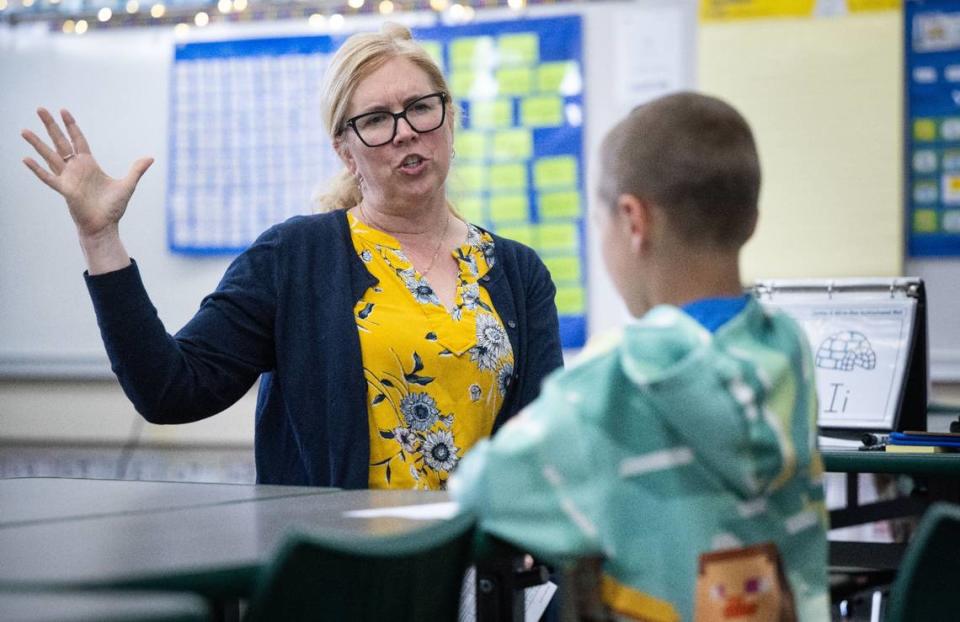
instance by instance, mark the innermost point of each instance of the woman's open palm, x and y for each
(96, 201)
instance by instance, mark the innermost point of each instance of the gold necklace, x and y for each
(436, 251)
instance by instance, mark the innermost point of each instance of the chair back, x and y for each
(926, 586)
(413, 576)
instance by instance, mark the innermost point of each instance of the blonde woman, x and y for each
(389, 335)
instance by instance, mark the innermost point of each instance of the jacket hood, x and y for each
(727, 396)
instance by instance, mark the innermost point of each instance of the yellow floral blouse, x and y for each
(420, 425)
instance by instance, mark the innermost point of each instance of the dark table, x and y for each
(101, 607)
(213, 546)
(32, 500)
(947, 464)
(936, 477)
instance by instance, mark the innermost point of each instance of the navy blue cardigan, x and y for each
(284, 312)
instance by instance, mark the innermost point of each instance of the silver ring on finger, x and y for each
(68, 156)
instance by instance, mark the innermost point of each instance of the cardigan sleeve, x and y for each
(544, 353)
(213, 360)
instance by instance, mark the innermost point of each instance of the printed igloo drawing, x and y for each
(845, 351)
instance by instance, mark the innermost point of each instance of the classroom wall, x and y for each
(36, 229)
(56, 263)
(825, 98)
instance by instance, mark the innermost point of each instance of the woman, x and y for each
(389, 335)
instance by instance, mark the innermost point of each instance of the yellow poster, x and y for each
(726, 10)
(723, 10)
(857, 6)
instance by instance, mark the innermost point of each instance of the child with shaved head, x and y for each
(694, 432)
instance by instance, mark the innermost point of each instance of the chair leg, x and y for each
(225, 610)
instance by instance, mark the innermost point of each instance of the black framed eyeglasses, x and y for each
(424, 114)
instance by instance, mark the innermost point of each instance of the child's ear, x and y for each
(638, 214)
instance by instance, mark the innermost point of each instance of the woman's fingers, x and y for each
(41, 173)
(53, 160)
(79, 140)
(137, 170)
(60, 142)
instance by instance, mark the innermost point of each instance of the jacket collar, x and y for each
(360, 278)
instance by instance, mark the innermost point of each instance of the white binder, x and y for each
(868, 337)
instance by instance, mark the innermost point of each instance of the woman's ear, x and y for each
(343, 150)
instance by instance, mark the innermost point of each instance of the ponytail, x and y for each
(343, 193)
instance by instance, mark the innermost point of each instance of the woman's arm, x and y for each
(215, 359)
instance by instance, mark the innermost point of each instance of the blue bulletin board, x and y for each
(518, 169)
(247, 148)
(932, 127)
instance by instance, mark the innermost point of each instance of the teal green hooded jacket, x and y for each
(669, 443)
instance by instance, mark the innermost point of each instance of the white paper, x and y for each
(427, 511)
(829, 442)
(535, 598)
(651, 54)
(860, 351)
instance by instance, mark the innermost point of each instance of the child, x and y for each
(684, 453)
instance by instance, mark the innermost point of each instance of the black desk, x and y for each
(214, 549)
(882, 462)
(936, 477)
(100, 606)
(31, 500)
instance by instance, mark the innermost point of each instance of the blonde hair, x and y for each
(359, 56)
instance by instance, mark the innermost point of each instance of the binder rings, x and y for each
(868, 338)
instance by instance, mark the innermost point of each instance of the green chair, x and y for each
(414, 576)
(928, 581)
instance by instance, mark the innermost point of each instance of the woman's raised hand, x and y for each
(96, 201)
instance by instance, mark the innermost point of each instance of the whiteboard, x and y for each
(117, 85)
